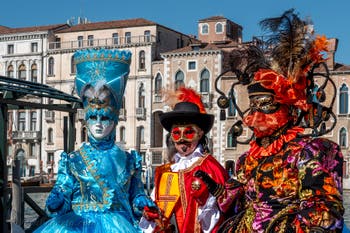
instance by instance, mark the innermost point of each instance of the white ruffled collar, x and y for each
(187, 161)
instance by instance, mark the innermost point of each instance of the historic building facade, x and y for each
(22, 56)
(162, 59)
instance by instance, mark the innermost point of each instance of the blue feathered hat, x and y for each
(101, 77)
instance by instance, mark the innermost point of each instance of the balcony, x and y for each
(107, 42)
(141, 113)
(26, 135)
(50, 116)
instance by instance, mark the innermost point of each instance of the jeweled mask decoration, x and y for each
(101, 79)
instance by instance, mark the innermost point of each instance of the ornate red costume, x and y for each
(185, 207)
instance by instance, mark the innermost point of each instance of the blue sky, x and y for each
(330, 18)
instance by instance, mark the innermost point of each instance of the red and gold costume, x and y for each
(174, 195)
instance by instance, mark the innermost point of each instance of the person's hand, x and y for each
(199, 190)
(214, 188)
(140, 202)
(55, 200)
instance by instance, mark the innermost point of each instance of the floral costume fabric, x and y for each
(291, 186)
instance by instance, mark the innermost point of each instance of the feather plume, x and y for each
(289, 41)
(184, 94)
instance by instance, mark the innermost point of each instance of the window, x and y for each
(115, 37)
(179, 79)
(314, 94)
(22, 72)
(50, 136)
(10, 49)
(57, 43)
(90, 40)
(80, 41)
(83, 135)
(231, 107)
(122, 134)
(34, 73)
(10, 71)
(205, 29)
(204, 81)
(21, 121)
(142, 135)
(33, 120)
(127, 37)
(158, 84)
(34, 47)
(218, 28)
(72, 65)
(191, 65)
(32, 149)
(343, 100)
(51, 66)
(231, 139)
(342, 137)
(141, 96)
(147, 35)
(142, 58)
(50, 157)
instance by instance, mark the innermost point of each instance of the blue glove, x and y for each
(55, 200)
(140, 202)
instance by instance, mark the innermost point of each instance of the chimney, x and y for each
(332, 48)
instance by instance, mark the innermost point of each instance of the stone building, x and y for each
(162, 59)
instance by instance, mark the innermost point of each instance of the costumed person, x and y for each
(98, 187)
(289, 180)
(184, 202)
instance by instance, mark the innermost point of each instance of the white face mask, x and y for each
(100, 126)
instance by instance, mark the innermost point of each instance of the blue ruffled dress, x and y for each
(100, 183)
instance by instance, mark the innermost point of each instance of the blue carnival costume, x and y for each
(98, 187)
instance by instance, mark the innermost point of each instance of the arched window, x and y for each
(51, 66)
(158, 84)
(141, 96)
(179, 79)
(231, 139)
(343, 99)
(50, 135)
(342, 137)
(72, 65)
(22, 73)
(205, 29)
(142, 60)
(33, 120)
(122, 134)
(115, 37)
(231, 109)
(34, 73)
(204, 81)
(218, 28)
(10, 71)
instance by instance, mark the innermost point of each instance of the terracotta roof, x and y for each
(341, 67)
(213, 18)
(109, 24)
(6, 30)
(194, 47)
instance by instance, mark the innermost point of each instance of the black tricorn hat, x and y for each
(187, 113)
